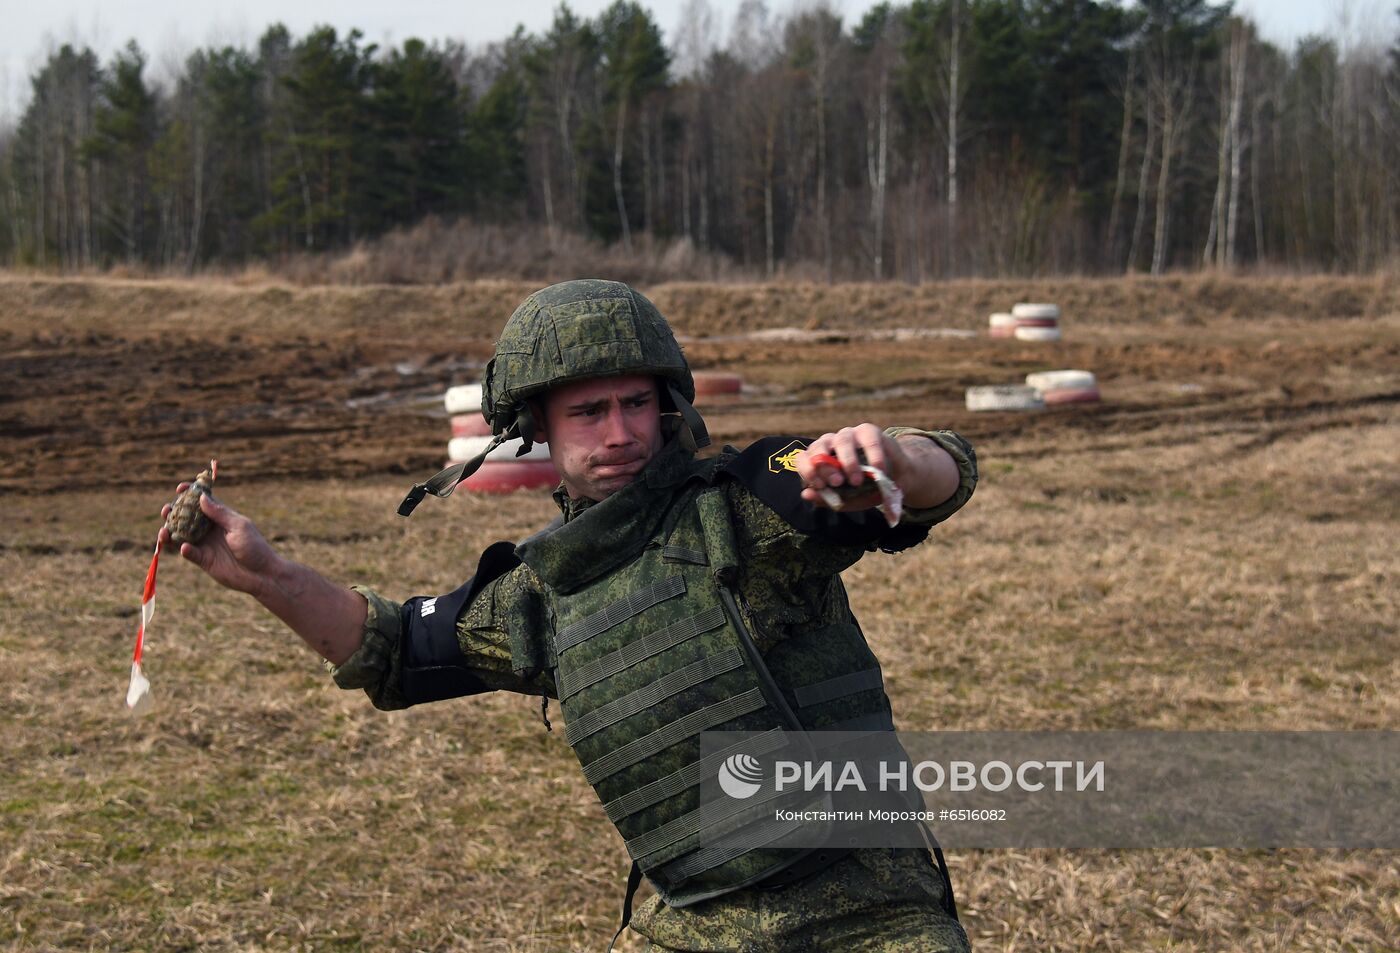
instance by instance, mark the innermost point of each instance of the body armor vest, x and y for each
(652, 645)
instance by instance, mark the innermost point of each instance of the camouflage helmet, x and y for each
(573, 331)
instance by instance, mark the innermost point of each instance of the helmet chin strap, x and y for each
(445, 481)
(692, 433)
(524, 426)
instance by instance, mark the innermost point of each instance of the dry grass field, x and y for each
(1211, 547)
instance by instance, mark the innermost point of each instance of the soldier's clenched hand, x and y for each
(922, 469)
(852, 447)
(233, 552)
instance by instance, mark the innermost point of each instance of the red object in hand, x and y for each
(846, 491)
(876, 486)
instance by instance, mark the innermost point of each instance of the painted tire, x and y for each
(1025, 310)
(464, 448)
(1071, 395)
(509, 477)
(713, 383)
(470, 425)
(1060, 380)
(1008, 397)
(464, 399)
(1001, 325)
(1037, 322)
(1037, 334)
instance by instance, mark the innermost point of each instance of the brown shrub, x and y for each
(437, 251)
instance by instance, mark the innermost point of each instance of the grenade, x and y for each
(876, 486)
(186, 522)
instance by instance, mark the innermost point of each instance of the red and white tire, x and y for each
(715, 383)
(1037, 334)
(1027, 310)
(463, 399)
(1008, 397)
(508, 477)
(1001, 325)
(1071, 395)
(470, 425)
(464, 448)
(1037, 322)
(1061, 380)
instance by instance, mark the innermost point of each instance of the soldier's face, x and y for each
(602, 432)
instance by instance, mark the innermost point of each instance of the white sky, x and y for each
(168, 30)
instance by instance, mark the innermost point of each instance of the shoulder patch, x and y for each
(767, 469)
(784, 458)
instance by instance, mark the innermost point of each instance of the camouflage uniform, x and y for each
(871, 899)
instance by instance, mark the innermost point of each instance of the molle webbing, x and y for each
(838, 687)
(874, 721)
(668, 686)
(620, 611)
(685, 554)
(643, 670)
(749, 838)
(684, 727)
(689, 776)
(667, 842)
(576, 680)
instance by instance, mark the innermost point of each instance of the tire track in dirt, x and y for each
(137, 411)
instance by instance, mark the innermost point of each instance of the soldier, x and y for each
(674, 595)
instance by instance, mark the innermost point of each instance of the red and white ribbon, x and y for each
(138, 691)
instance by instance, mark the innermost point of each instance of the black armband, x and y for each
(434, 667)
(767, 470)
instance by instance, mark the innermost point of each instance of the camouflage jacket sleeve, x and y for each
(963, 455)
(766, 497)
(792, 553)
(497, 632)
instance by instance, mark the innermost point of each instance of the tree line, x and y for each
(930, 139)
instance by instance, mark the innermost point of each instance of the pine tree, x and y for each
(125, 127)
(496, 171)
(634, 65)
(419, 131)
(329, 136)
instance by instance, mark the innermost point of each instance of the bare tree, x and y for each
(954, 97)
(1238, 65)
(695, 42)
(881, 49)
(1172, 84)
(753, 41)
(1125, 137)
(933, 58)
(818, 36)
(1143, 187)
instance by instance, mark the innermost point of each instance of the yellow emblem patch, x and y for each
(785, 459)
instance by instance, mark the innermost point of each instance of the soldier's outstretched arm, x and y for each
(926, 472)
(329, 618)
